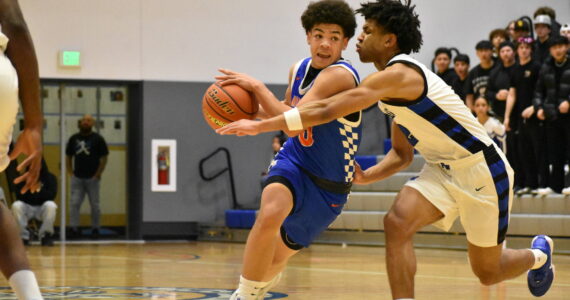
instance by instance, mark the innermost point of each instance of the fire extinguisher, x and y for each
(162, 168)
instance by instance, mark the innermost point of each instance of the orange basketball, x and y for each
(222, 105)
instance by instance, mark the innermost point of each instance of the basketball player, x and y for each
(310, 178)
(18, 65)
(465, 174)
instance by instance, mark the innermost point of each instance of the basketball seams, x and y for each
(213, 113)
(235, 102)
(215, 108)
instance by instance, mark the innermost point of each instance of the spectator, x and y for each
(442, 59)
(497, 36)
(529, 148)
(500, 79)
(89, 151)
(552, 97)
(494, 127)
(545, 10)
(478, 77)
(511, 30)
(39, 206)
(522, 29)
(461, 67)
(542, 29)
(565, 30)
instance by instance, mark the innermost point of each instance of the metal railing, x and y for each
(222, 171)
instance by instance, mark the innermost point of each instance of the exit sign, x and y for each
(69, 59)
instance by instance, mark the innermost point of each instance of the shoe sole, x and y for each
(551, 244)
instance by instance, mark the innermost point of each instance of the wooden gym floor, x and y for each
(209, 270)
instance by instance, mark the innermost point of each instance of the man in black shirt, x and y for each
(500, 80)
(90, 151)
(39, 206)
(520, 118)
(441, 60)
(461, 67)
(476, 84)
(552, 102)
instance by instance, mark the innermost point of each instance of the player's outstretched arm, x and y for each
(397, 159)
(22, 55)
(396, 82)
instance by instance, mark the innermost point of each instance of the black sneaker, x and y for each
(47, 240)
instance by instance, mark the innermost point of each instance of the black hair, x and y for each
(444, 50)
(461, 57)
(507, 44)
(545, 10)
(330, 12)
(557, 40)
(397, 18)
(484, 44)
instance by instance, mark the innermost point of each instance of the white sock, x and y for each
(25, 286)
(249, 288)
(540, 258)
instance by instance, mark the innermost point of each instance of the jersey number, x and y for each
(306, 138)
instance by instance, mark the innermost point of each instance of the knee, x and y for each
(486, 277)
(272, 214)
(18, 207)
(397, 227)
(50, 206)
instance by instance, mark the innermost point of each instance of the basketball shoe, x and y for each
(269, 286)
(540, 280)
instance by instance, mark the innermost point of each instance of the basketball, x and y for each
(222, 105)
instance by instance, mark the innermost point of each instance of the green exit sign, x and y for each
(69, 58)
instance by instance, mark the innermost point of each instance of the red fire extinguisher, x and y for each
(162, 168)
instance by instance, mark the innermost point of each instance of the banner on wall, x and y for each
(163, 162)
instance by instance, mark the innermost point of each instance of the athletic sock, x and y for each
(25, 286)
(249, 288)
(540, 258)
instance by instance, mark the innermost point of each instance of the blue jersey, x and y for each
(326, 151)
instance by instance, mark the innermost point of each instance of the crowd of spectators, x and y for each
(520, 92)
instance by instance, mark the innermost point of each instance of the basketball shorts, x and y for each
(314, 208)
(477, 188)
(8, 107)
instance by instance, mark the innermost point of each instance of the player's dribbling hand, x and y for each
(247, 82)
(29, 143)
(240, 128)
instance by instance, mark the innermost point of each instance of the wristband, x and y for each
(293, 119)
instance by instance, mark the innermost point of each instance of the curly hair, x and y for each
(397, 18)
(330, 12)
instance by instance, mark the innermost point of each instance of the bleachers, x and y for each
(530, 215)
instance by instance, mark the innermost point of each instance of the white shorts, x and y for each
(8, 107)
(477, 188)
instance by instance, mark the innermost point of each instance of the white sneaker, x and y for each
(269, 286)
(524, 190)
(544, 191)
(566, 191)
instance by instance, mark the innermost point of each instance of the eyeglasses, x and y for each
(525, 39)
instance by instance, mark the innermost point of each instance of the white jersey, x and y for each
(437, 124)
(8, 102)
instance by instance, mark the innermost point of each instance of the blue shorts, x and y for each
(314, 209)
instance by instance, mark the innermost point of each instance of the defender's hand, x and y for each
(29, 143)
(240, 128)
